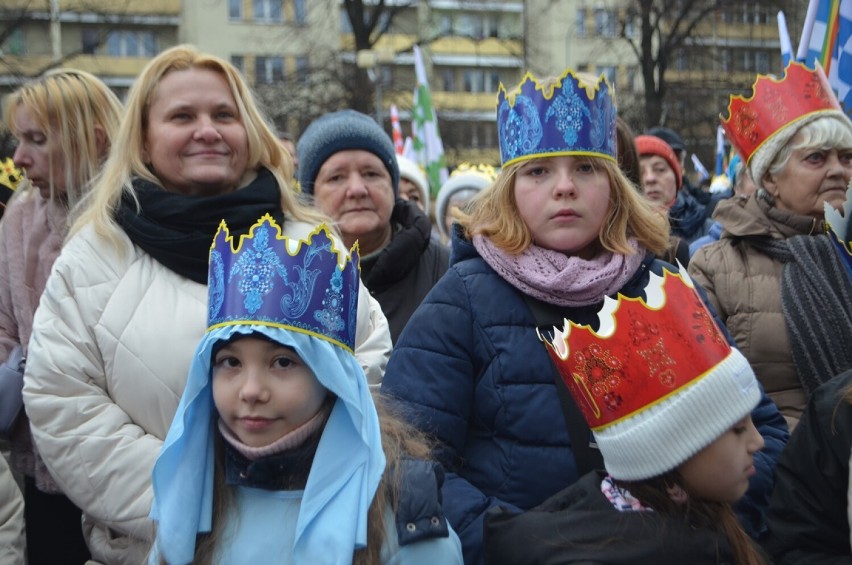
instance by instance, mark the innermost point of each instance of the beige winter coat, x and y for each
(112, 343)
(744, 285)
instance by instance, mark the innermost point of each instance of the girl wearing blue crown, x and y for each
(277, 453)
(560, 229)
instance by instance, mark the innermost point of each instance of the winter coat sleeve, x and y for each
(807, 514)
(372, 337)
(432, 373)
(11, 517)
(99, 456)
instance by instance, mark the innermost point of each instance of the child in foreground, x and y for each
(669, 402)
(277, 453)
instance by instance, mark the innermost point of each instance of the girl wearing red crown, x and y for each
(278, 453)
(773, 276)
(559, 230)
(669, 402)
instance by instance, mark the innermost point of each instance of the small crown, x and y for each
(774, 104)
(302, 285)
(838, 227)
(566, 118)
(644, 351)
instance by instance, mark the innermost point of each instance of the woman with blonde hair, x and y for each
(560, 229)
(65, 123)
(126, 302)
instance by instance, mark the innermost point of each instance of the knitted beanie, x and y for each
(762, 158)
(464, 178)
(341, 131)
(409, 170)
(657, 382)
(653, 145)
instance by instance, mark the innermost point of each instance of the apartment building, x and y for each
(113, 39)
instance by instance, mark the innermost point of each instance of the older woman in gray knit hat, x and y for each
(773, 276)
(347, 163)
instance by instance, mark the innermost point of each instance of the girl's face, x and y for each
(720, 472)
(196, 142)
(563, 201)
(810, 178)
(263, 390)
(38, 154)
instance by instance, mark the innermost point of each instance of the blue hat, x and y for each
(342, 131)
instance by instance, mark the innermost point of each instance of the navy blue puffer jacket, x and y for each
(470, 370)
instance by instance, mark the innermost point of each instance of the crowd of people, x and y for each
(223, 345)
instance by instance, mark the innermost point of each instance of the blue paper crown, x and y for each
(563, 119)
(306, 285)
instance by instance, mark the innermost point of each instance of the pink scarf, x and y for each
(556, 278)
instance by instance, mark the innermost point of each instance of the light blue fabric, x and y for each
(347, 468)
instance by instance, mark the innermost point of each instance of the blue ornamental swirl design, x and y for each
(537, 121)
(261, 282)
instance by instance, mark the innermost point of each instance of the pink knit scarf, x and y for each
(556, 278)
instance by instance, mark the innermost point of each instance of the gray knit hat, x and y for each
(342, 131)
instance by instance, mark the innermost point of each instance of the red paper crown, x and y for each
(644, 351)
(774, 104)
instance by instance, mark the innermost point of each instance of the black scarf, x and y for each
(177, 230)
(816, 298)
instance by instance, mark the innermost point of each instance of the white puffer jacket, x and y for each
(112, 344)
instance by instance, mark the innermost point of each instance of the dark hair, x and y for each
(628, 156)
(696, 512)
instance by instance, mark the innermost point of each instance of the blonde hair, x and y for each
(70, 106)
(126, 160)
(493, 213)
(400, 440)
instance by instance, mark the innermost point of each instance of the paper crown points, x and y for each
(644, 351)
(270, 279)
(564, 117)
(838, 226)
(774, 104)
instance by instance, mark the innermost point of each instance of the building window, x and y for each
(605, 23)
(492, 81)
(445, 25)
(268, 11)
(448, 77)
(680, 60)
(268, 70)
(91, 41)
(14, 44)
(303, 70)
(131, 44)
(239, 62)
(581, 22)
(761, 62)
(725, 60)
(491, 26)
(300, 11)
(474, 80)
(235, 9)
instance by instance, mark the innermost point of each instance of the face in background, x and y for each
(263, 390)
(456, 201)
(811, 177)
(195, 141)
(409, 191)
(563, 201)
(720, 472)
(354, 188)
(659, 182)
(39, 155)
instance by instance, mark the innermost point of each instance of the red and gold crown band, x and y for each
(775, 103)
(644, 351)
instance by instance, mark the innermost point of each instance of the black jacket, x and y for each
(807, 516)
(403, 272)
(579, 525)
